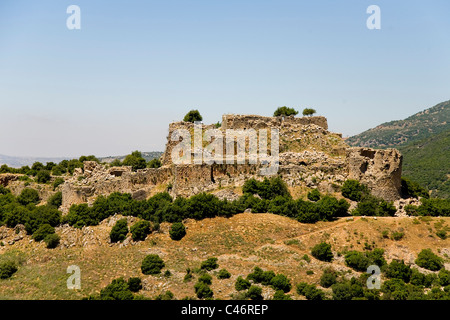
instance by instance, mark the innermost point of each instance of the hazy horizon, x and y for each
(114, 85)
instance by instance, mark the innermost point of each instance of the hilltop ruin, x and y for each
(310, 156)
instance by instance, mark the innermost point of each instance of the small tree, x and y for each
(152, 264)
(177, 231)
(241, 284)
(52, 240)
(135, 160)
(314, 195)
(209, 264)
(55, 200)
(119, 231)
(203, 290)
(134, 284)
(7, 269)
(285, 111)
(308, 112)
(43, 231)
(140, 230)
(192, 116)
(154, 163)
(281, 282)
(43, 176)
(28, 196)
(322, 251)
(255, 293)
(428, 260)
(223, 274)
(328, 278)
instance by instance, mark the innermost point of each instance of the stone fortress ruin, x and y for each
(309, 156)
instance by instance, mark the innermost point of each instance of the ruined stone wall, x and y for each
(231, 121)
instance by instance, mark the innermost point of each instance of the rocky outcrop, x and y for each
(6, 178)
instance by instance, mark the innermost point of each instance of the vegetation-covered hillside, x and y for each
(414, 128)
(427, 162)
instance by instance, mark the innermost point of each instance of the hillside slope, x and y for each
(427, 162)
(419, 126)
(240, 243)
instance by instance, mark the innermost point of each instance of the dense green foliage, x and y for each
(360, 261)
(314, 195)
(7, 269)
(285, 111)
(152, 264)
(260, 276)
(241, 284)
(411, 189)
(428, 260)
(353, 190)
(140, 230)
(177, 231)
(203, 290)
(280, 282)
(267, 189)
(308, 111)
(322, 251)
(223, 274)
(209, 264)
(328, 278)
(55, 201)
(310, 291)
(52, 240)
(154, 163)
(119, 231)
(135, 161)
(43, 231)
(28, 196)
(134, 284)
(117, 290)
(192, 116)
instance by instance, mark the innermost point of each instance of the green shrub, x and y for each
(140, 230)
(411, 189)
(177, 231)
(285, 111)
(428, 260)
(154, 163)
(7, 269)
(52, 240)
(306, 258)
(135, 161)
(188, 277)
(28, 196)
(396, 235)
(310, 291)
(398, 270)
(43, 176)
(260, 276)
(55, 201)
(134, 284)
(280, 295)
(168, 295)
(281, 282)
(43, 231)
(314, 195)
(209, 264)
(117, 290)
(353, 190)
(267, 189)
(357, 260)
(192, 116)
(41, 215)
(57, 183)
(308, 111)
(347, 290)
(442, 234)
(223, 274)
(203, 291)
(328, 278)
(444, 277)
(241, 284)
(254, 293)
(322, 251)
(206, 278)
(152, 264)
(119, 231)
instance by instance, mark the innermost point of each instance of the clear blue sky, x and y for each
(113, 86)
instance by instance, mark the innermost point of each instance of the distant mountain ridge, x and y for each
(419, 126)
(17, 162)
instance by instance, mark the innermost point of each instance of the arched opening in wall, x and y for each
(212, 175)
(364, 166)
